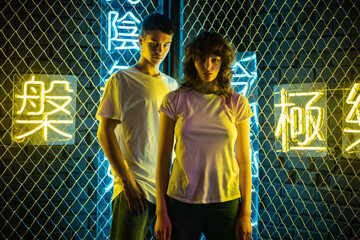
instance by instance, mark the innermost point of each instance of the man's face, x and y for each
(155, 46)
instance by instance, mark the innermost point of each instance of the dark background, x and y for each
(58, 191)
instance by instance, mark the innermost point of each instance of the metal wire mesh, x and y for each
(305, 51)
(55, 181)
(307, 55)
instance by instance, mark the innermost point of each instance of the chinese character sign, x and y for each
(44, 111)
(122, 48)
(122, 31)
(300, 111)
(122, 40)
(245, 75)
(245, 82)
(351, 121)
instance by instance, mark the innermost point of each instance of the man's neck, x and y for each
(148, 69)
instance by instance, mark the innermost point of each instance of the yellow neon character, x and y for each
(38, 98)
(354, 114)
(301, 120)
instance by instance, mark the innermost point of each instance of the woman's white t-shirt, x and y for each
(205, 169)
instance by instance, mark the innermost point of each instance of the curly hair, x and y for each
(204, 44)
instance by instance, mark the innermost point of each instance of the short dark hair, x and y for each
(203, 45)
(156, 21)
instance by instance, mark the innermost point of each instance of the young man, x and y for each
(128, 130)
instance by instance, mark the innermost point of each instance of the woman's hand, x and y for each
(162, 227)
(243, 228)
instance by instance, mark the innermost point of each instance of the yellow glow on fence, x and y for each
(44, 124)
(284, 118)
(42, 109)
(309, 119)
(40, 97)
(354, 114)
(301, 121)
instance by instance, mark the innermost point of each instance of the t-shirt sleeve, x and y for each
(110, 103)
(243, 109)
(168, 105)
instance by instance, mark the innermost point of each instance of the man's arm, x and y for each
(243, 227)
(110, 146)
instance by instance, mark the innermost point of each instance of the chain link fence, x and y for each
(298, 63)
(307, 94)
(55, 57)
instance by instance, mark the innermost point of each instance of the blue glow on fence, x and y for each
(122, 41)
(109, 174)
(116, 67)
(134, 2)
(130, 1)
(244, 82)
(123, 32)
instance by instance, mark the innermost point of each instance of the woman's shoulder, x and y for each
(238, 99)
(177, 95)
(171, 95)
(236, 95)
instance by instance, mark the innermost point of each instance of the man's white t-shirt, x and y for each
(205, 169)
(134, 98)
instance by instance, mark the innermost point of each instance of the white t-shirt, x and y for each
(134, 98)
(205, 169)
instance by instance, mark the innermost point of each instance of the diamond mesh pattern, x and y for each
(299, 45)
(63, 190)
(57, 190)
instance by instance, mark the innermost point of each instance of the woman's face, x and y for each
(208, 67)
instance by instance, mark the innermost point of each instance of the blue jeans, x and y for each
(129, 226)
(215, 220)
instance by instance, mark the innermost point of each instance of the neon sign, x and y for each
(351, 142)
(301, 113)
(130, 1)
(110, 176)
(244, 82)
(116, 67)
(44, 110)
(122, 32)
(122, 35)
(122, 45)
(134, 2)
(245, 77)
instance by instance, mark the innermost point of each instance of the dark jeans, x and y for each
(129, 226)
(214, 220)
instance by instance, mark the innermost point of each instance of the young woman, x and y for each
(209, 121)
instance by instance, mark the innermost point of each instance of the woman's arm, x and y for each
(165, 145)
(243, 227)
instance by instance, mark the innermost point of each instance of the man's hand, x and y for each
(135, 196)
(110, 145)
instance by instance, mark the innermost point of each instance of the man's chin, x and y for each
(157, 61)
